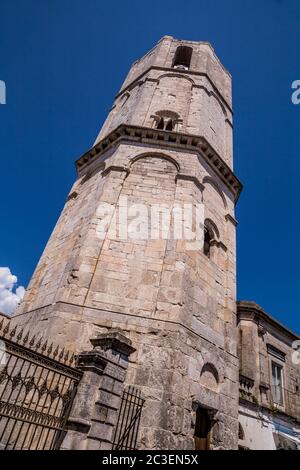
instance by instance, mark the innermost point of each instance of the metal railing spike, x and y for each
(6, 329)
(26, 338)
(13, 332)
(20, 334)
(56, 352)
(32, 341)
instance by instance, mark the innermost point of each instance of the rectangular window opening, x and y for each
(277, 384)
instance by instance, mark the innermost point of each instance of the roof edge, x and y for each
(251, 306)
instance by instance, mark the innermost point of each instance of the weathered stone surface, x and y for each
(264, 342)
(94, 414)
(176, 305)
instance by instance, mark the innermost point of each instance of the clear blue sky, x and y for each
(63, 61)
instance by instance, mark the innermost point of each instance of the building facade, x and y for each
(269, 381)
(167, 140)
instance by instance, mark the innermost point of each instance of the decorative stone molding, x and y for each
(210, 224)
(218, 244)
(246, 383)
(115, 168)
(93, 417)
(92, 361)
(216, 186)
(231, 219)
(161, 155)
(261, 330)
(275, 352)
(172, 139)
(114, 340)
(251, 311)
(264, 387)
(193, 179)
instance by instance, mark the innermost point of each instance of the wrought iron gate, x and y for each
(128, 420)
(37, 387)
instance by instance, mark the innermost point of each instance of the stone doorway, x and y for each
(202, 429)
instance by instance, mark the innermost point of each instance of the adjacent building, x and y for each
(269, 410)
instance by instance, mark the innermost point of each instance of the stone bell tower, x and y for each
(167, 140)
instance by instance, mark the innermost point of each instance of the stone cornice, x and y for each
(247, 310)
(231, 219)
(92, 361)
(114, 340)
(186, 142)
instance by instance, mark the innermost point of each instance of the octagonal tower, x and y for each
(166, 141)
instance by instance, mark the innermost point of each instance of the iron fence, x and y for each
(127, 428)
(37, 386)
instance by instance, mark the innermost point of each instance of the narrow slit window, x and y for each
(169, 126)
(161, 123)
(241, 433)
(207, 242)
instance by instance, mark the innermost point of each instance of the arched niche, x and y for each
(154, 155)
(209, 377)
(208, 180)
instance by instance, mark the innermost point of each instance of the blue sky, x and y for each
(63, 61)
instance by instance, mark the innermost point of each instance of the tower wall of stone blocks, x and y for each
(200, 96)
(175, 304)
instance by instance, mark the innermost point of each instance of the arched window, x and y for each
(211, 235)
(165, 124)
(209, 376)
(182, 58)
(207, 241)
(166, 120)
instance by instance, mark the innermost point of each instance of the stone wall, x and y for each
(201, 97)
(263, 340)
(176, 305)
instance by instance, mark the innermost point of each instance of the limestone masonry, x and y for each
(167, 140)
